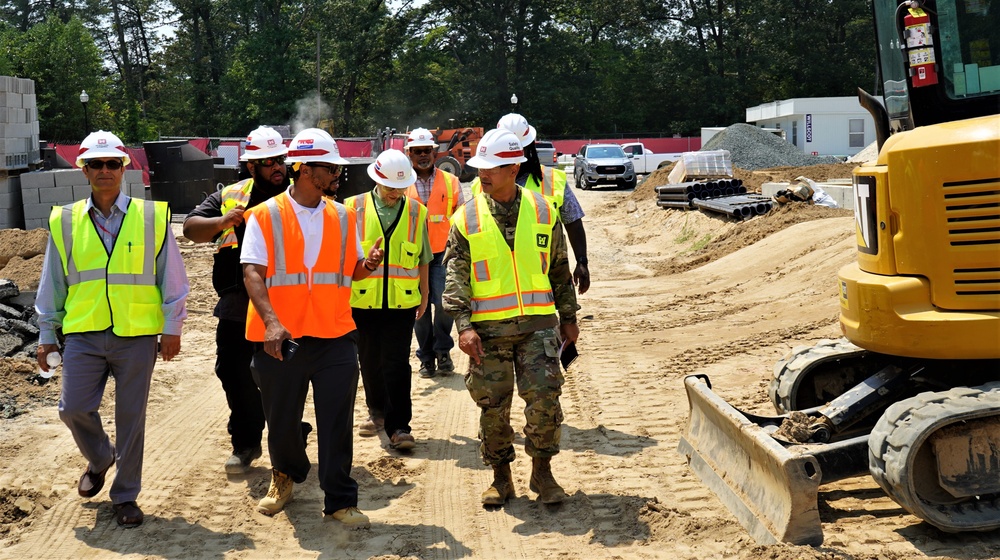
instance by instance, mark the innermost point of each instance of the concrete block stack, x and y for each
(18, 124)
(41, 190)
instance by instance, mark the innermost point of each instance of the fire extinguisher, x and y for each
(920, 47)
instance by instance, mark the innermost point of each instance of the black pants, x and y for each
(384, 350)
(331, 365)
(232, 366)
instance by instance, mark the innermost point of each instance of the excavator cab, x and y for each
(911, 394)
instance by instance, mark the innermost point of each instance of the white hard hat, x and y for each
(314, 145)
(101, 144)
(392, 169)
(519, 126)
(497, 147)
(420, 137)
(263, 143)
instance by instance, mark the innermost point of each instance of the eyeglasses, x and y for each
(332, 169)
(99, 164)
(280, 160)
(422, 151)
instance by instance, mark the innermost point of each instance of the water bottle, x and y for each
(53, 359)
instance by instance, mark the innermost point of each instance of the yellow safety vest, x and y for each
(117, 290)
(404, 247)
(553, 186)
(509, 283)
(237, 194)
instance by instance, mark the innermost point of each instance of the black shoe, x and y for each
(427, 369)
(445, 365)
(239, 462)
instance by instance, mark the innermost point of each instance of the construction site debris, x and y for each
(703, 164)
(752, 148)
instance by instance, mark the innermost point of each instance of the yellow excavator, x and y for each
(911, 394)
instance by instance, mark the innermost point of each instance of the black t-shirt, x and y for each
(227, 272)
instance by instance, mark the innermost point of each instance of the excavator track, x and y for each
(810, 376)
(938, 455)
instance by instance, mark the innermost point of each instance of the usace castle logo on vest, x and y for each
(542, 240)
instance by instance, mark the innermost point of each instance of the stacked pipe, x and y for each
(682, 195)
(738, 206)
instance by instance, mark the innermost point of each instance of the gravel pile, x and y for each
(870, 153)
(752, 148)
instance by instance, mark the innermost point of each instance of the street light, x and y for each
(451, 123)
(513, 100)
(84, 98)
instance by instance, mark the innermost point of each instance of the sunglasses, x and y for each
(332, 169)
(422, 151)
(111, 164)
(280, 160)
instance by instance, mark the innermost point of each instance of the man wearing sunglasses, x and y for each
(220, 218)
(113, 282)
(441, 193)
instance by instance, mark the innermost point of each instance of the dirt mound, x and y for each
(26, 273)
(21, 389)
(21, 243)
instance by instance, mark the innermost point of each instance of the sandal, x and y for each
(96, 480)
(128, 514)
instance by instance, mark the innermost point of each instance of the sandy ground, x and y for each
(674, 293)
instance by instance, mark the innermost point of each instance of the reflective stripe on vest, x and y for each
(509, 283)
(403, 250)
(440, 207)
(553, 186)
(116, 290)
(321, 308)
(237, 194)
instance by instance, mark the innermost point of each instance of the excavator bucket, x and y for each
(770, 486)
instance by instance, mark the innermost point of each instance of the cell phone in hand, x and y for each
(288, 349)
(568, 354)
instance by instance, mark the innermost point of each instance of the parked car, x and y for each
(644, 160)
(603, 164)
(546, 153)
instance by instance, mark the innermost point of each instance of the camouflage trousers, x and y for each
(531, 360)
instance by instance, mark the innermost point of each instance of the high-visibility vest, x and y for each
(509, 283)
(322, 310)
(403, 251)
(441, 205)
(237, 194)
(117, 290)
(553, 186)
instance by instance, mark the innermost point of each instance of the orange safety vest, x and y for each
(441, 204)
(324, 309)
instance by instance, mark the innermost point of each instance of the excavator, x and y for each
(911, 394)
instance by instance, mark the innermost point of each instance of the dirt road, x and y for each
(663, 305)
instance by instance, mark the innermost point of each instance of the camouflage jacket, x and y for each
(458, 291)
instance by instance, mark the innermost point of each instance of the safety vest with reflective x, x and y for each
(116, 290)
(441, 205)
(509, 283)
(402, 266)
(309, 302)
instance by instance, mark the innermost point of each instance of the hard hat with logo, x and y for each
(498, 147)
(420, 137)
(392, 169)
(314, 145)
(264, 142)
(519, 126)
(101, 144)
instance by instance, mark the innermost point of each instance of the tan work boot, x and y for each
(279, 494)
(502, 487)
(350, 517)
(542, 482)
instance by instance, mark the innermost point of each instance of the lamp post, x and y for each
(451, 123)
(84, 98)
(513, 101)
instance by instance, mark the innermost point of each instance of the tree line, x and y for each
(157, 68)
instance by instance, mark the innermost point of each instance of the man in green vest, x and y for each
(507, 276)
(112, 283)
(386, 304)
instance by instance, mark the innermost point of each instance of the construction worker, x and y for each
(300, 254)
(387, 303)
(441, 193)
(112, 282)
(508, 275)
(551, 183)
(220, 218)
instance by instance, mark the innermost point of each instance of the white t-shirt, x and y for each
(254, 249)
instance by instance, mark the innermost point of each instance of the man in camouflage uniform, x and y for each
(511, 337)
